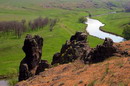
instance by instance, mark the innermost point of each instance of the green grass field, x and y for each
(11, 48)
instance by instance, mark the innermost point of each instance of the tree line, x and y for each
(17, 28)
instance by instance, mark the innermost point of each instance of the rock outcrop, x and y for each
(101, 52)
(73, 49)
(32, 63)
(77, 48)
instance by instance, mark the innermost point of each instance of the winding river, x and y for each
(94, 30)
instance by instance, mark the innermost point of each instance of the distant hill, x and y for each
(65, 4)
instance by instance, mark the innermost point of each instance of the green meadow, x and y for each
(11, 47)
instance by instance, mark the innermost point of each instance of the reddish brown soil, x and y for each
(124, 46)
(114, 71)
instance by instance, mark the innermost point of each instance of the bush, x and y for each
(82, 19)
(13, 26)
(126, 32)
(18, 28)
(38, 23)
(53, 23)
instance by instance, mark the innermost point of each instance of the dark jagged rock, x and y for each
(42, 66)
(72, 50)
(101, 52)
(56, 58)
(79, 36)
(77, 48)
(32, 63)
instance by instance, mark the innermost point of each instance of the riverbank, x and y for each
(102, 29)
(4, 83)
(9, 80)
(114, 23)
(94, 30)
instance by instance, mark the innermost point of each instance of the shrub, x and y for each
(38, 23)
(52, 23)
(82, 19)
(126, 32)
(13, 26)
(17, 28)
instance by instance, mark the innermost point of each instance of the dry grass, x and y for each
(107, 73)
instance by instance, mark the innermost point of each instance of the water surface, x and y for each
(4, 83)
(94, 30)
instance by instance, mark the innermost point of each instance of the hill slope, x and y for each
(113, 71)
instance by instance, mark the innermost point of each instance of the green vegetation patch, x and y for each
(114, 23)
(11, 48)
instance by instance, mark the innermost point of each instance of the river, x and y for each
(93, 29)
(4, 83)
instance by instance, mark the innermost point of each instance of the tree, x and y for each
(13, 26)
(126, 32)
(53, 23)
(38, 23)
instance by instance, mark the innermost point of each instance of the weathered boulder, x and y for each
(42, 66)
(31, 64)
(72, 49)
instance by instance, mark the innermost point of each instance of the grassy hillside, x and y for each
(112, 72)
(11, 48)
(115, 23)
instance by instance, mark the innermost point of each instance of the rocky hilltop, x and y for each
(77, 64)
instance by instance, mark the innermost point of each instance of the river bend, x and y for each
(93, 29)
